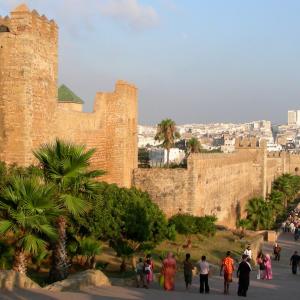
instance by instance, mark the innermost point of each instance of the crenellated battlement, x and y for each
(249, 143)
(22, 20)
(125, 88)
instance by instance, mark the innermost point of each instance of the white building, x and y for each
(158, 156)
(294, 117)
(297, 141)
(229, 145)
(271, 147)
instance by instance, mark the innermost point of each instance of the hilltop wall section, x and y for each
(30, 114)
(216, 184)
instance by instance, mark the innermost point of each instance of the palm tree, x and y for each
(26, 213)
(89, 247)
(284, 184)
(276, 202)
(295, 184)
(243, 224)
(193, 146)
(167, 134)
(259, 214)
(66, 166)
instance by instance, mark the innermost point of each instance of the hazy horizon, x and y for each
(195, 61)
(208, 123)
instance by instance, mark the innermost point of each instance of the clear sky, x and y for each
(192, 60)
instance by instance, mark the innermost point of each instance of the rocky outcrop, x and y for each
(10, 279)
(80, 281)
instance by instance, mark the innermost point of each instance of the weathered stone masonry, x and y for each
(219, 184)
(30, 114)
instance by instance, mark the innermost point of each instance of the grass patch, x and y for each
(214, 248)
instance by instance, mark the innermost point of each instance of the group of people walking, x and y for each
(145, 270)
(292, 223)
(203, 268)
(243, 272)
(264, 266)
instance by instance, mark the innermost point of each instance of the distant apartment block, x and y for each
(294, 117)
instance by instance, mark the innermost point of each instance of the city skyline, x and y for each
(197, 62)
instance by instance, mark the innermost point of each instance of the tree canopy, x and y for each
(193, 146)
(167, 134)
(264, 213)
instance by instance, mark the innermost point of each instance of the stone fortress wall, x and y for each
(31, 115)
(219, 184)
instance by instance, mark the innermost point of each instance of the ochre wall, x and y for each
(70, 106)
(169, 188)
(30, 114)
(215, 184)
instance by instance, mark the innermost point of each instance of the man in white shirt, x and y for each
(292, 227)
(248, 252)
(203, 266)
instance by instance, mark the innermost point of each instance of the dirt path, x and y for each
(284, 286)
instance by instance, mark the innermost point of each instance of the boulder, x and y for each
(11, 279)
(80, 281)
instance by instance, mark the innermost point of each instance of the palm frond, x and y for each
(5, 226)
(75, 205)
(32, 244)
(48, 230)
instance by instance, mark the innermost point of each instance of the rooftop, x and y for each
(66, 95)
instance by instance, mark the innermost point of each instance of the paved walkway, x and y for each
(284, 286)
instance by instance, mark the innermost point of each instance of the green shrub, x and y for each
(206, 225)
(171, 232)
(189, 224)
(184, 223)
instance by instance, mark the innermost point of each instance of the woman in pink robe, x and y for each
(169, 271)
(149, 263)
(268, 267)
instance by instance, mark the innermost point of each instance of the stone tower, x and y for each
(28, 83)
(31, 113)
(118, 110)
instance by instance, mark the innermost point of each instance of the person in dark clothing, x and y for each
(277, 251)
(188, 271)
(296, 234)
(243, 273)
(294, 262)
